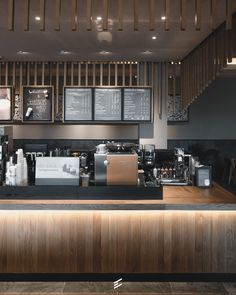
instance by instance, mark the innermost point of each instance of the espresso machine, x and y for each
(116, 164)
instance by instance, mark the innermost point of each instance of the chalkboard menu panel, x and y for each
(137, 104)
(37, 103)
(6, 95)
(77, 104)
(107, 104)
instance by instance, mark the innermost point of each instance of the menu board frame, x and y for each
(50, 99)
(10, 93)
(121, 103)
(64, 104)
(150, 107)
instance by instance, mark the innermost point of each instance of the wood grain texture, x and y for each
(117, 242)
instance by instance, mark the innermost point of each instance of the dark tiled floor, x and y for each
(72, 288)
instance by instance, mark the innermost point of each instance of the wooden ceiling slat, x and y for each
(10, 23)
(42, 15)
(26, 15)
(213, 14)
(136, 15)
(89, 15)
(58, 15)
(167, 15)
(105, 15)
(183, 9)
(198, 14)
(151, 15)
(74, 16)
(120, 15)
(228, 14)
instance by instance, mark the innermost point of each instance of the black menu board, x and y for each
(77, 104)
(107, 104)
(38, 103)
(137, 104)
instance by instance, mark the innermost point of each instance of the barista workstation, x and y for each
(112, 170)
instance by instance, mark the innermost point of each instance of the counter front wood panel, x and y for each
(117, 241)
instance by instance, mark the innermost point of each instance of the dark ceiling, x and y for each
(112, 44)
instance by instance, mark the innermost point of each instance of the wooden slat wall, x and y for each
(206, 61)
(73, 73)
(117, 242)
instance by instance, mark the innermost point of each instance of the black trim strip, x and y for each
(107, 277)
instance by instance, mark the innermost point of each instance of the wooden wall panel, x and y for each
(117, 241)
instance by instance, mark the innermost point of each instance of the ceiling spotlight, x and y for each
(163, 17)
(65, 52)
(23, 52)
(104, 52)
(99, 18)
(172, 62)
(154, 37)
(37, 18)
(147, 52)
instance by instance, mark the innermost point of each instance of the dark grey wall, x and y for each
(212, 115)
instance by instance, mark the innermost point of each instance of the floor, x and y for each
(129, 288)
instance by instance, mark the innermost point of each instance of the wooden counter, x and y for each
(121, 241)
(174, 198)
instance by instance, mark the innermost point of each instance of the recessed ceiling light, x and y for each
(23, 52)
(37, 18)
(104, 52)
(99, 18)
(65, 52)
(147, 52)
(163, 17)
(154, 37)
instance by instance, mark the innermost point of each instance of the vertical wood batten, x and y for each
(89, 15)
(86, 74)
(14, 74)
(10, 21)
(120, 15)
(94, 73)
(42, 15)
(152, 15)
(6, 72)
(136, 15)
(101, 74)
(74, 16)
(198, 14)
(79, 74)
(213, 14)
(28, 73)
(116, 74)
(105, 15)
(43, 73)
(183, 10)
(123, 74)
(26, 15)
(228, 14)
(72, 73)
(57, 86)
(167, 15)
(35, 73)
(57, 15)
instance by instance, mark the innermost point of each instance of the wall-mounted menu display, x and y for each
(77, 104)
(37, 104)
(137, 104)
(107, 104)
(6, 94)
